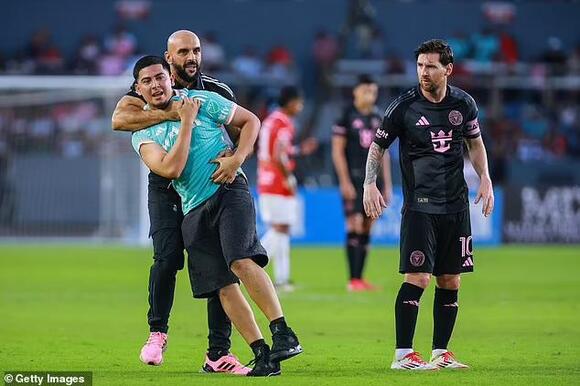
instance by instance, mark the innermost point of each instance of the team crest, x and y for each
(417, 258)
(455, 117)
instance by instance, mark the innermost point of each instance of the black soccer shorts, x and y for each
(219, 232)
(436, 243)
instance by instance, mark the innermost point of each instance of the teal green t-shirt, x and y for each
(194, 186)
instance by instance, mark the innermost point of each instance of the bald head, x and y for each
(184, 56)
(180, 37)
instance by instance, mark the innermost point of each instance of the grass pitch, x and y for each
(84, 308)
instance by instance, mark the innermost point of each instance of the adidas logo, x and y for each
(422, 121)
(468, 262)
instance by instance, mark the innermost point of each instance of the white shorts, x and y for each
(278, 209)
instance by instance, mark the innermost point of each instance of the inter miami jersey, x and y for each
(202, 82)
(431, 147)
(359, 131)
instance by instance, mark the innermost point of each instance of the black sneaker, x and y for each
(262, 364)
(285, 344)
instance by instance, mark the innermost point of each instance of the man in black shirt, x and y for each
(352, 135)
(432, 122)
(165, 214)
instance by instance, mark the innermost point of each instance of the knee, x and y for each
(169, 262)
(418, 279)
(354, 223)
(451, 282)
(281, 228)
(242, 267)
(228, 291)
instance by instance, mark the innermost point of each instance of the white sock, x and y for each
(267, 242)
(435, 353)
(280, 256)
(401, 352)
(283, 266)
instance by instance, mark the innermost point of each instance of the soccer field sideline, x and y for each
(83, 308)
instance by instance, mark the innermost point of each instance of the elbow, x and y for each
(173, 173)
(116, 124)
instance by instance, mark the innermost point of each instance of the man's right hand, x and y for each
(348, 191)
(172, 112)
(188, 110)
(373, 201)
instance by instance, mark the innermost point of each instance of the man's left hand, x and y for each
(485, 194)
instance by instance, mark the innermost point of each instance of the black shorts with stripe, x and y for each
(436, 243)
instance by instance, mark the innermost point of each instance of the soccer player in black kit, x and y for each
(432, 121)
(352, 135)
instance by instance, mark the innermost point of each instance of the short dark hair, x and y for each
(436, 46)
(147, 61)
(288, 94)
(364, 79)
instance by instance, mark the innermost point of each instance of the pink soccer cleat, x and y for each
(152, 352)
(226, 364)
(356, 285)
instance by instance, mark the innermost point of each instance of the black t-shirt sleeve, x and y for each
(391, 127)
(340, 127)
(472, 129)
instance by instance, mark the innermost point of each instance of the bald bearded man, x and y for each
(132, 114)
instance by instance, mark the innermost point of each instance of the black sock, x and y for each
(215, 355)
(406, 310)
(277, 325)
(257, 344)
(351, 252)
(445, 309)
(361, 254)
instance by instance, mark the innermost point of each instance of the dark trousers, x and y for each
(166, 217)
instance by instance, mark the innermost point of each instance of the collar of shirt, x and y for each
(196, 85)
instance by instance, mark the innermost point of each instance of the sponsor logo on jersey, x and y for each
(441, 141)
(382, 133)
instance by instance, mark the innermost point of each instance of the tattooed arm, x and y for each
(373, 200)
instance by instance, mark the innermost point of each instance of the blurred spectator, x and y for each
(534, 123)
(248, 64)
(574, 61)
(485, 46)
(554, 56)
(324, 50)
(460, 45)
(121, 43)
(508, 48)
(214, 56)
(87, 56)
(357, 33)
(280, 62)
(111, 64)
(376, 49)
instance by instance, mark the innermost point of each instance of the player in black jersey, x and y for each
(184, 55)
(432, 122)
(352, 135)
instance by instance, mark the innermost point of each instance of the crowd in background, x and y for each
(527, 125)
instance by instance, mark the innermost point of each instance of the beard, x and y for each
(429, 86)
(182, 73)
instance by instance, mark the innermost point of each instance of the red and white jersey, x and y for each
(275, 143)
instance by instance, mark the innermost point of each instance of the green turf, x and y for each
(73, 308)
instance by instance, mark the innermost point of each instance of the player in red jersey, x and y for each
(276, 181)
